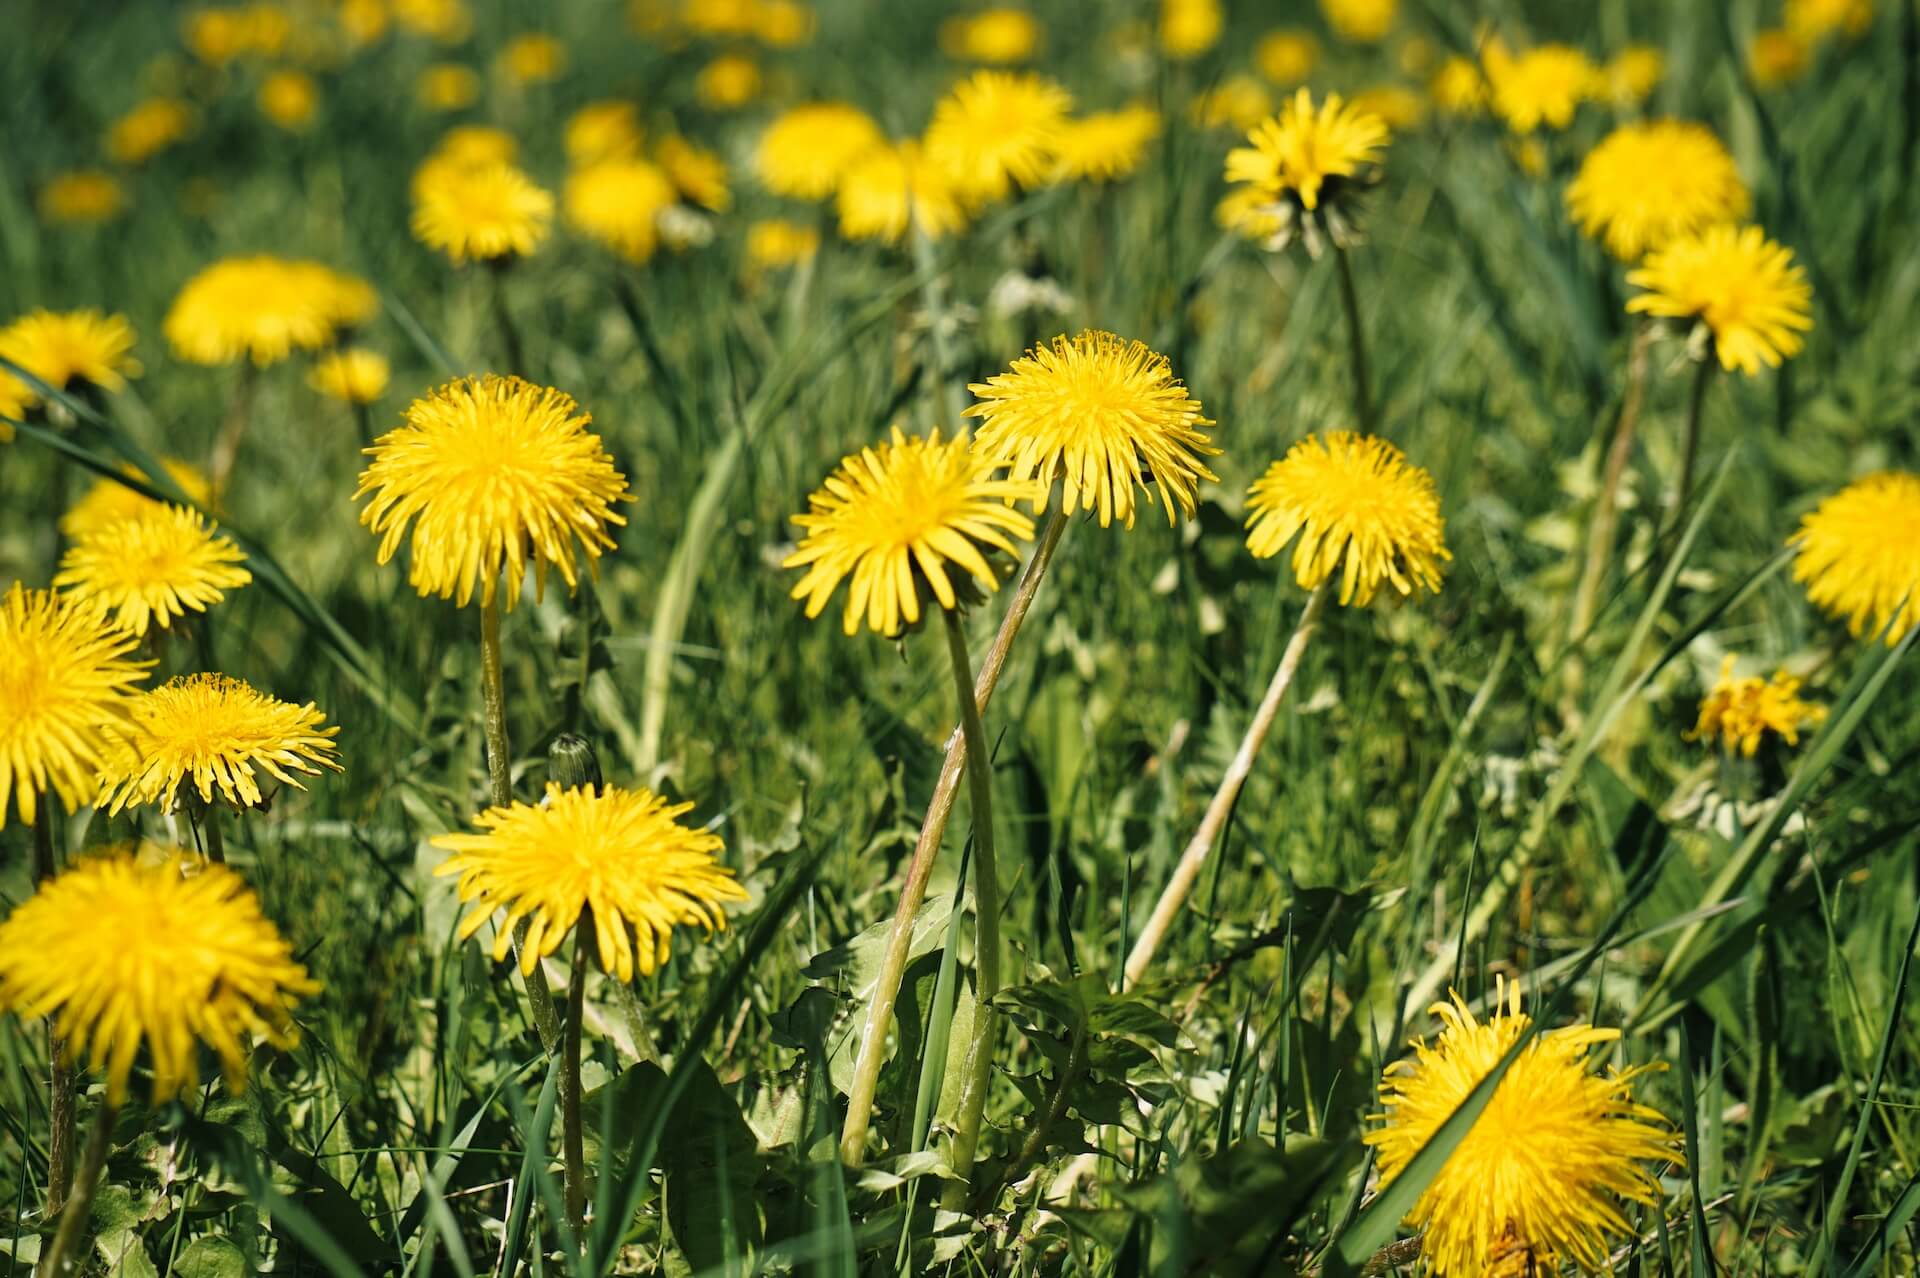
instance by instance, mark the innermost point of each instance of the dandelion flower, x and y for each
(806, 150)
(1286, 57)
(1650, 182)
(1544, 85)
(109, 500)
(485, 213)
(63, 680)
(896, 188)
(448, 86)
(148, 129)
(783, 24)
(1247, 213)
(447, 21)
(618, 856)
(262, 307)
(1740, 710)
(1540, 1176)
(727, 83)
(290, 99)
(151, 567)
(998, 37)
(362, 21)
(1396, 106)
(1362, 21)
(14, 397)
(997, 128)
(533, 58)
(1104, 146)
(1818, 19)
(1238, 102)
(1188, 28)
(81, 197)
(489, 471)
(1858, 554)
(1358, 508)
(773, 243)
(1776, 56)
(68, 349)
(121, 954)
(1739, 286)
(1632, 75)
(355, 375)
(698, 174)
(1297, 153)
(1102, 415)
(719, 17)
(474, 146)
(618, 204)
(1459, 87)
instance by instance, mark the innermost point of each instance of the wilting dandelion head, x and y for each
(148, 129)
(1000, 37)
(1358, 508)
(1540, 1177)
(80, 197)
(1740, 286)
(120, 954)
(109, 500)
(354, 375)
(1299, 152)
(1544, 85)
(998, 128)
(210, 732)
(160, 563)
(1364, 21)
(64, 679)
(1104, 146)
(482, 212)
(617, 204)
(1101, 414)
(893, 517)
(807, 149)
(619, 856)
(1858, 553)
(68, 349)
(608, 130)
(490, 472)
(263, 308)
(1740, 710)
(1652, 181)
(894, 189)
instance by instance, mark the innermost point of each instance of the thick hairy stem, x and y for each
(573, 1141)
(1356, 344)
(69, 1241)
(63, 1090)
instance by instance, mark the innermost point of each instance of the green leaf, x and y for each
(712, 1166)
(210, 1256)
(1234, 1209)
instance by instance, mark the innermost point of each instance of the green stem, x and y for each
(1606, 506)
(63, 1085)
(933, 289)
(573, 1142)
(503, 319)
(226, 448)
(1690, 441)
(1356, 344)
(68, 1239)
(210, 827)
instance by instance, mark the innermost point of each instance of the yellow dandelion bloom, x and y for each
(355, 375)
(533, 58)
(896, 188)
(1104, 146)
(481, 213)
(1286, 56)
(1102, 415)
(68, 349)
(1188, 28)
(998, 37)
(618, 856)
(14, 396)
(1543, 85)
(698, 174)
(1397, 106)
(727, 83)
(1362, 21)
(447, 86)
(1776, 57)
(289, 98)
(996, 129)
(783, 23)
(892, 518)
(362, 21)
(148, 129)
(1238, 102)
(109, 500)
(447, 21)
(1359, 509)
(806, 149)
(1818, 19)
(1740, 710)
(151, 567)
(1246, 212)
(1459, 87)
(1650, 182)
(719, 17)
(1858, 554)
(1741, 286)
(618, 203)
(1540, 1177)
(607, 130)
(475, 146)
(1632, 75)
(122, 954)
(776, 242)
(64, 679)
(262, 307)
(218, 36)
(489, 471)
(1295, 154)
(81, 197)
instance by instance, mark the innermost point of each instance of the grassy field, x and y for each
(1491, 781)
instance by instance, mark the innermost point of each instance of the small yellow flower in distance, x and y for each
(618, 857)
(448, 86)
(1459, 87)
(1238, 102)
(1777, 56)
(1298, 153)
(1104, 146)
(83, 196)
(1649, 182)
(475, 146)
(1818, 19)
(149, 129)
(209, 732)
(262, 307)
(999, 37)
(151, 567)
(362, 21)
(997, 129)
(489, 471)
(727, 83)
(1188, 28)
(1540, 1177)
(1101, 415)
(784, 24)
(1544, 85)
(1358, 508)
(608, 130)
(122, 954)
(109, 500)
(447, 21)
(1858, 554)
(533, 58)
(64, 679)
(720, 17)
(1286, 56)
(1363, 21)
(70, 349)
(892, 517)
(698, 174)
(479, 213)
(807, 148)
(618, 203)
(355, 375)
(1739, 287)
(776, 242)
(1400, 107)
(1632, 76)
(218, 36)
(894, 189)
(1742, 710)
(289, 99)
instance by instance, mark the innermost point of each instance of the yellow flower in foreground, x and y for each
(485, 212)
(151, 567)
(85, 195)
(1632, 76)
(1104, 146)
(1366, 21)
(353, 376)
(1238, 102)
(533, 58)
(1777, 56)
(1305, 148)
(1540, 1176)
(1647, 183)
(1544, 85)
(1188, 28)
(149, 129)
(728, 82)
(448, 86)
(121, 954)
(1001, 37)
(489, 471)
(1100, 414)
(1286, 57)
(1740, 710)
(263, 307)
(72, 348)
(63, 680)
(1741, 286)
(618, 203)
(995, 129)
(603, 131)
(896, 188)
(776, 242)
(1358, 508)
(698, 174)
(1858, 553)
(289, 98)
(110, 500)
(618, 856)
(892, 517)
(805, 151)
(1817, 19)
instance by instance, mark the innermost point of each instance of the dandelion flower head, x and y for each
(448, 86)
(81, 197)
(1818, 19)
(448, 21)
(109, 500)
(533, 58)
(1238, 102)
(999, 37)
(1300, 151)
(1104, 146)
(1459, 87)
(1743, 288)
(896, 188)
(66, 349)
(157, 564)
(1649, 182)
(263, 308)
(1286, 56)
(1188, 28)
(1362, 21)
(1544, 85)
(1632, 75)
(617, 204)
(806, 150)
(1741, 709)
(776, 242)
(479, 212)
(698, 174)
(1776, 56)
(998, 128)
(608, 130)
(148, 129)
(354, 375)
(728, 82)
(289, 98)
(1858, 554)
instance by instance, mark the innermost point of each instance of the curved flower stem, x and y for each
(63, 1085)
(1174, 895)
(1356, 344)
(68, 1239)
(573, 1142)
(977, 1072)
(1690, 442)
(913, 890)
(934, 291)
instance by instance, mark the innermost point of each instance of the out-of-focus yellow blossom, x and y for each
(83, 196)
(218, 36)
(1631, 77)
(607, 130)
(730, 81)
(1365, 21)
(773, 243)
(533, 58)
(448, 21)
(783, 23)
(289, 99)
(1542, 86)
(1400, 107)
(1286, 56)
(363, 21)
(1818, 19)
(1238, 102)
(1188, 28)
(448, 86)
(1458, 87)
(1777, 56)
(999, 37)
(148, 129)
